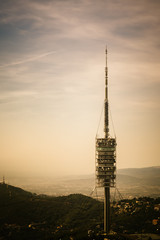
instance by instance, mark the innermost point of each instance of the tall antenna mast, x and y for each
(106, 159)
(106, 118)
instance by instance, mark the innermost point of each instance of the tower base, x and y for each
(106, 210)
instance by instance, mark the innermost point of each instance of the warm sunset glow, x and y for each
(52, 83)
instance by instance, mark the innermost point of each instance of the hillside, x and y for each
(24, 216)
(28, 216)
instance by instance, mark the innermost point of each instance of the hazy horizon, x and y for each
(52, 73)
(36, 175)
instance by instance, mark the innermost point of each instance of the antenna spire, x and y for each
(106, 118)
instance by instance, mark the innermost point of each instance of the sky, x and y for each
(52, 76)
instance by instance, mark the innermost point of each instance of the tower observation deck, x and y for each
(106, 159)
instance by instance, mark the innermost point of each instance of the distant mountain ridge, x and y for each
(131, 182)
(139, 181)
(141, 172)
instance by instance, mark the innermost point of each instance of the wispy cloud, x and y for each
(14, 96)
(70, 84)
(31, 59)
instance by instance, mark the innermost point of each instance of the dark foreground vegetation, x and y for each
(27, 216)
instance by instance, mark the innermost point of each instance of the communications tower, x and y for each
(106, 159)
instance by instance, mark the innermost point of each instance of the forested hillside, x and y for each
(24, 216)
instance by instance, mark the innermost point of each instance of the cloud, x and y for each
(70, 84)
(28, 60)
(85, 20)
(13, 96)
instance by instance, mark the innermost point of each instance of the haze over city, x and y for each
(52, 73)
